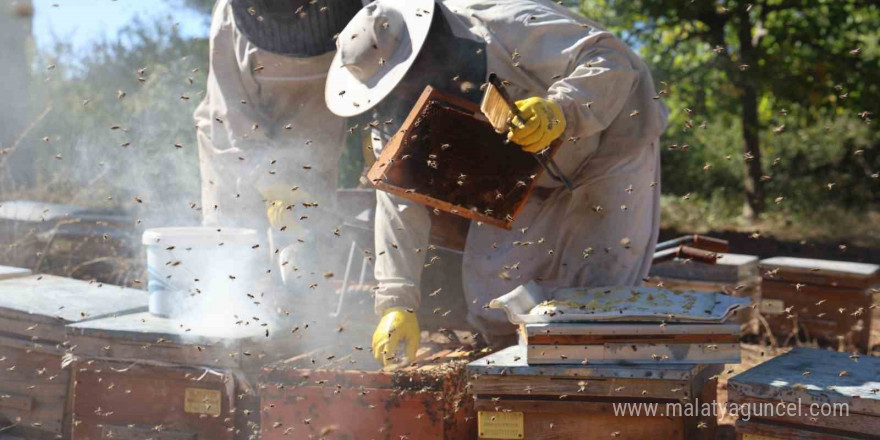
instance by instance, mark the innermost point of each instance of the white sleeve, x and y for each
(593, 94)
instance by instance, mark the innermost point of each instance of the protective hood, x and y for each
(297, 28)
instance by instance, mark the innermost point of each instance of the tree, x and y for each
(755, 59)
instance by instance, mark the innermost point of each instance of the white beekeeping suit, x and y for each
(601, 233)
(263, 129)
(604, 232)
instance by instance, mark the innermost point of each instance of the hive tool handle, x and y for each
(553, 170)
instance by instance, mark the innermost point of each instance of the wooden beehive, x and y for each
(33, 312)
(449, 158)
(425, 401)
(804, 297)
(805, 379)
(515, 400)
(144, 376)
(733, 274)
(7, 272)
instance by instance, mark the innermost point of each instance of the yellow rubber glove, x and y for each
(544, 123)
(397, 326)
(278, 198)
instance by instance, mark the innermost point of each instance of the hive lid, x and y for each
(729, 268)
(532, 304)
(57, 300)
(7, 272)
(822, 272)
(512, 361)
(783, 378)
(144, 326)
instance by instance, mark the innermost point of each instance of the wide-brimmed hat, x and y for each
(374, 52)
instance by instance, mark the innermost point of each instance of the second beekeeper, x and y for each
(573, 80)
(268, 146)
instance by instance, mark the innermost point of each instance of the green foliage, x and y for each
(813, 91)
(839, 150)
(116, 115)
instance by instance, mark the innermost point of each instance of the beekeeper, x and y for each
(267, 143)
(574, 81)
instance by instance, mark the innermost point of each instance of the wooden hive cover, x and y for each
(783, 379)
(729, 268)
(821, 272)
(51, 302)
(141, 335)
(449, 158)
(7, 272)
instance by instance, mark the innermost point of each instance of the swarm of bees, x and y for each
(207, 376)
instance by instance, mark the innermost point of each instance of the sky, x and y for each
(84, 22)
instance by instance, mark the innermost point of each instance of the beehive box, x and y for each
(447, 157)
(68, 239)
(144, 376)
(829, 301)
(733, 274)
(517, 401)
(33, 312)
(816, 385)
(425, 401)
(7, 272)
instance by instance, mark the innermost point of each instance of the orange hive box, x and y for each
(425, 402)
(827, 301)
(34, 397)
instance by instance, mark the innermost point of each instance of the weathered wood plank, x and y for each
(822, 312)
(579, 387)
(754, 430)
(612, 329)
(821, 272)
(512, 361)
(33, 387)
(586, 421)
(851, 423)
(578, 402)
(176, 398)
(215, 355)
(15, 402)
(48, 299)
(146, 327)
(814, 376)
(7, 272)
(144, 433)
(728, 268)
(632, 353)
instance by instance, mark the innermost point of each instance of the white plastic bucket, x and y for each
(199, 270)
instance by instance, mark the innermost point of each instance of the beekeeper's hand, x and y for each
(544, 123)
(398, 326)
(280, 200)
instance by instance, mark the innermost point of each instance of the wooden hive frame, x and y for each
(396, 147)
